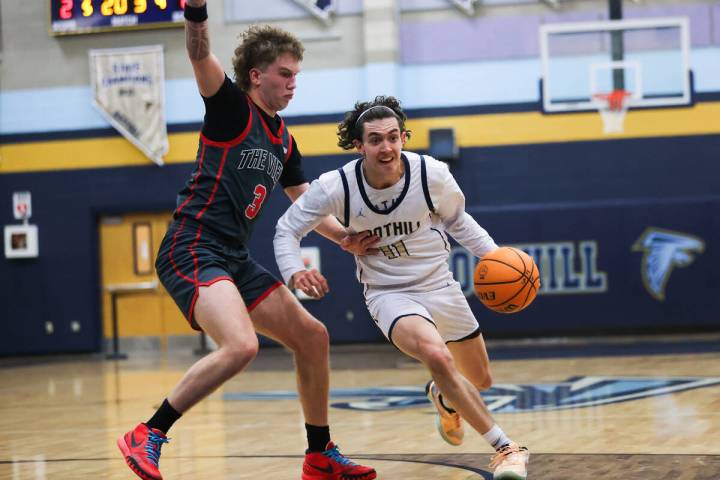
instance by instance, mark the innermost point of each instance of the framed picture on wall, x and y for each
(142, 248)
(21, 241)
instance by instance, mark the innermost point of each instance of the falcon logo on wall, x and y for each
(663, 251)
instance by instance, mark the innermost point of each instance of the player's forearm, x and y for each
(331, 229)
(292, 227)
(287, 254)
(209, 74)
(197, 39)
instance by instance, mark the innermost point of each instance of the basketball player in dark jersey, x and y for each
(244, 151)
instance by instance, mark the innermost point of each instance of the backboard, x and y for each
(648, 58)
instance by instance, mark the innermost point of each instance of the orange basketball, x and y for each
(506, 280)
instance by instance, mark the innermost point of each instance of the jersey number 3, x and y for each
(254, 208)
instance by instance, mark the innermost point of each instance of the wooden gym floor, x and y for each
(628, 410)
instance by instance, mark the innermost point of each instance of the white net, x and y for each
(613, 107)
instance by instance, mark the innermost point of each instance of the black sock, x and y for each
(318, 437)
(164, 418)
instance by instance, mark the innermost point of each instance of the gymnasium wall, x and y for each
(579, 208)
(491, 58)
(580, 202)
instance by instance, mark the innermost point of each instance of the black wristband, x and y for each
(196, 14)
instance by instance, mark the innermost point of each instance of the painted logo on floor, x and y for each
(575, 392)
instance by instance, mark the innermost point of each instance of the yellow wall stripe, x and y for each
(88, 153)
(481, 130)
(534, 127)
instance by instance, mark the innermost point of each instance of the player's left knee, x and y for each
(486, 382)
(319, 333)
(482, 381)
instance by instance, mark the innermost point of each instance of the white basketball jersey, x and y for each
(410, 218)
(413, 246)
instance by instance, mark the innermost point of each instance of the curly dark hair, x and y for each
(260, 46)
(351, 128)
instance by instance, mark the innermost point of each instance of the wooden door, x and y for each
(128, 248)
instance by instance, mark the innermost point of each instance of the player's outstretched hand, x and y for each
(311, 282)
(360, 243)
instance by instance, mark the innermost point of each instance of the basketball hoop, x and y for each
(612, 107)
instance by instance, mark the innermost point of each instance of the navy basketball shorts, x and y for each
(191, 257)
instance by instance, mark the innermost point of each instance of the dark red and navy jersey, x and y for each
(243, 153)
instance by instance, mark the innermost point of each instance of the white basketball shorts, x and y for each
(446, 308)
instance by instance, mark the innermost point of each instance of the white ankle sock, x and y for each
(496, 437)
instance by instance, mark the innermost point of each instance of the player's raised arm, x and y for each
(209, 73)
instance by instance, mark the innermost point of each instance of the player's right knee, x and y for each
(438, 359)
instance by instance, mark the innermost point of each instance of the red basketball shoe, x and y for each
(333, 465)
(141, 449)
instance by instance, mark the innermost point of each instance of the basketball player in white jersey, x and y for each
(406, 203)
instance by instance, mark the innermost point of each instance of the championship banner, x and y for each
(129, 91)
